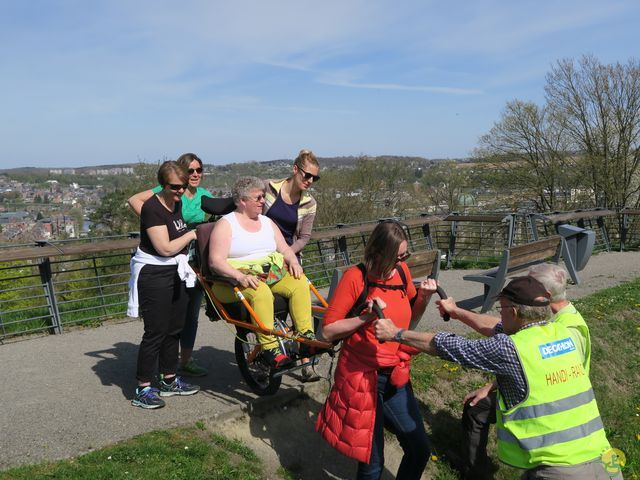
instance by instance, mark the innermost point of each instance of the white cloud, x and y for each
(406, 88)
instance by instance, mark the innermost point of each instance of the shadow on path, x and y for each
(117, 366)
(290, 433)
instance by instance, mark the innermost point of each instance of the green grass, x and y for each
(195, 453)
(184, 453)
(613, 316)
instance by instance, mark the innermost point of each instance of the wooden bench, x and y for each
(425, 263)
(514, 260)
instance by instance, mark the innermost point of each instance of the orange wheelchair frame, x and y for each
(260, 376)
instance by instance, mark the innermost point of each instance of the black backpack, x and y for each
(361, 301)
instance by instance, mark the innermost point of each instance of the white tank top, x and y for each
(250, 245)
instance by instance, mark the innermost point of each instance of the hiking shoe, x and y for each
(147, 397)
(177, 387)
(305, 350)
(276, 358)
(309, 374)
(192, 369)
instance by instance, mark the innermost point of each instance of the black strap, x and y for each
(362, 298)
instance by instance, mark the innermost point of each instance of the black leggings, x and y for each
(163, 304)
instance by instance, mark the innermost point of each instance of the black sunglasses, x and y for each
(404, 256)
(195, 170)
(178, 186)
(259, 198)
(309, 176)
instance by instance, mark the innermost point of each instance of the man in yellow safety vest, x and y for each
(547, 417)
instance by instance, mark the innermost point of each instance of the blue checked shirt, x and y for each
(496, 354)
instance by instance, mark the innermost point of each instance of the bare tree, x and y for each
(373, 189)
(528, 147)
(446, 184)
(600, 109)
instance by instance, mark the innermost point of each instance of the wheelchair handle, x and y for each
(378, 311)
(441, 293)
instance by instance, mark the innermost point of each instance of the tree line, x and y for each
(579, 149)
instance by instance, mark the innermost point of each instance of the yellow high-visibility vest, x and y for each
(558, 423)
(570, 317)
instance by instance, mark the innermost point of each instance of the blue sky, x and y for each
(96, 82)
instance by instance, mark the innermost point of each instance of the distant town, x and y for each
(50, 209)
(64, 203)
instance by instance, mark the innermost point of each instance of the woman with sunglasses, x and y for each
(160, 273)
(192, 213)
(371, 387)
(292, 208)
(289, 204)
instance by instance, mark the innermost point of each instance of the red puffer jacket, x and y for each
(347, 418)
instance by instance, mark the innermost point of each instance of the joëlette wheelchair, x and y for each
(259, 375)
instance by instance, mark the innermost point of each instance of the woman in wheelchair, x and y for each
(242, 244)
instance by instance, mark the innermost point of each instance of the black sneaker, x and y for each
(147, 397)
(305, 350)
(177, 387)
(276, 358)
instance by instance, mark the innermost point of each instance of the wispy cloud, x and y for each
(406, 88)
(270, 72)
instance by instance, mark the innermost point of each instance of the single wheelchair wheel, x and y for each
(254, 368)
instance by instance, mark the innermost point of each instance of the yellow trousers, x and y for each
(261, 300)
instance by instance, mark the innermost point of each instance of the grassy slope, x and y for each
(184, 453)
(613, 316)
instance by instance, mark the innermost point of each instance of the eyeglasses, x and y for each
(259, 198)
(178, 186)
(308, 176)
(195, 170)
(403, 256)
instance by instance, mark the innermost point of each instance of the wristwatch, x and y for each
(398, 336)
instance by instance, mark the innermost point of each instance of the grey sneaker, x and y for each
(177, 387)
(309, 374)
(147, 397)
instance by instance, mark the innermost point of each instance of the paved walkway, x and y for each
(65, 395)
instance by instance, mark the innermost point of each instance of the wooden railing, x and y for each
(47, 287)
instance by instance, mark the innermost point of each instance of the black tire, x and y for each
(257, 374)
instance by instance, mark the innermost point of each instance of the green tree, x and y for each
(446, 184)
(113, 215)
(373, 189)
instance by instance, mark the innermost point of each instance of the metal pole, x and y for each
(46, 277)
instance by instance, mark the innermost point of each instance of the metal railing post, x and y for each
(624, 230)
(426, 232)
(452, 241)
(342, 246)
(44, 267)
(603, 231)
(510, 234)
(95, 269)
(532, 226)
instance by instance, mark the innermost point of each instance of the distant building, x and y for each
(13, 217)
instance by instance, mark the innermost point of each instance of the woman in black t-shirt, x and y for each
(159, 270)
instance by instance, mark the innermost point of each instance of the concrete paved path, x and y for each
(65, 395)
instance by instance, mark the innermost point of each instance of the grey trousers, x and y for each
(593, 470)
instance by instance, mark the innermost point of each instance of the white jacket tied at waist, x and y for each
(140, 259)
